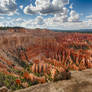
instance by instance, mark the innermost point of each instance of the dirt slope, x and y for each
(80, 81)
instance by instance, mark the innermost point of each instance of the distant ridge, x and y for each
(80, 30)
(55, 30)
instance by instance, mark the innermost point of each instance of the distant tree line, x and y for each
(6, 28)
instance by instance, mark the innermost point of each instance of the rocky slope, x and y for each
(81, 81)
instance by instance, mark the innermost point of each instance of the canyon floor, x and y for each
(81, 81)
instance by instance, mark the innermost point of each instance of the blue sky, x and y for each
(51, 14)
(82, 6)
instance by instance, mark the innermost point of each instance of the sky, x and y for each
(49, 14)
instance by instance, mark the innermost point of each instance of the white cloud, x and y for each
(71, 6)
(89, 22)
(46, 7)
(51, 23)
(39, 20)
(74, 17)
(8, 7)
(21, 6)
(1, 17)
(1, 24)
(57, 9)
(61, 19)
(68, 25)
(18, 19)
(12, 22)
(89, 17)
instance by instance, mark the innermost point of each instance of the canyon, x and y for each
(33, 56)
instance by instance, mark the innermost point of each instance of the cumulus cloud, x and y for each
(1, 24)
(19, 20)
(1, 17)
(71, 6)
(46, 7)
(89, 17)
(50, 22)
(21, 6)
(74, 16)
(7, 6)
(12, 22)
(67, 25)
(39, 20)
(61, 17)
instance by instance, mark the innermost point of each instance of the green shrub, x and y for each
(9, 81)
